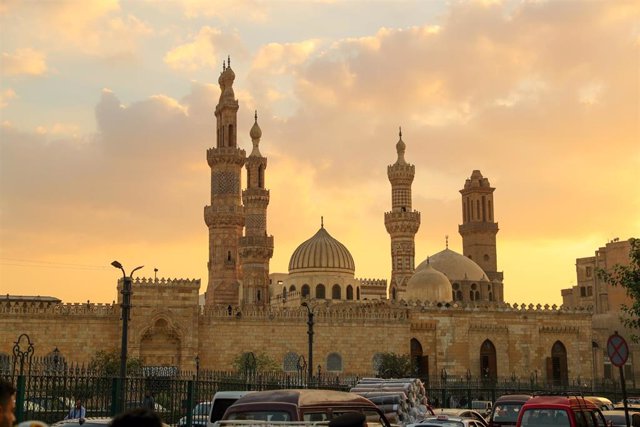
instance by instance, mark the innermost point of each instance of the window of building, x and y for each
(583, 291)
(320, 292)
(290, 363)
(349, 292)
(589, 291)
(292, 288)
(305, 291)
(589, 271)
(336, 292)
(334, 362)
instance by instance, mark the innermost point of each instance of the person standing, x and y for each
(77, 412)
(149, 402)
(7, 404)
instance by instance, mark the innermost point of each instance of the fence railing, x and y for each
(48, 394)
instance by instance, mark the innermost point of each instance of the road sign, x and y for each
(617, 349)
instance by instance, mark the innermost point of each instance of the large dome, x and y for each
(321, 253)
(428, 284)
(455, 266)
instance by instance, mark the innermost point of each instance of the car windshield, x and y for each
(260, 415)
(545, 417)
(441, 423)
(506, 412)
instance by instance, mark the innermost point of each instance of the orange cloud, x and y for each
(205, 51)
(24, 61)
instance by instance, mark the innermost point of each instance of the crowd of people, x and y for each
(140, 417)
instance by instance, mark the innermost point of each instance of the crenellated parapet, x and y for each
(487, 307)
(324, 312)
(37, 308)
(226, 155)
(374, 282)
(167, 282)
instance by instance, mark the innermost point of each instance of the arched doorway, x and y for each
(419, 362)
(488, 364)
(557, 364)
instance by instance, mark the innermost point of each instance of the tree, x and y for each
(107, 364)
(627, 276)
(255, 362)
(394, 365)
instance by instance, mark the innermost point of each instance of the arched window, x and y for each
(259, 296)
(490, 296)
(558, 374)
(305, 291)
(336, 292)
(290, 363)
(292, 288)
(472, 295)
(320, 292)
(350, 292)
(419, 362)
(488, 362)
(231, 144)
(477, 296)
(334, 362)
(260, 176)
(284, 293)
(457, 295)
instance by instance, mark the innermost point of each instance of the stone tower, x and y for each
(478, 229)
(256, 247)
(225, 215)
(402, 223)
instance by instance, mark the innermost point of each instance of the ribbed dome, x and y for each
(321, 253)
(428, 284)
(455, 266)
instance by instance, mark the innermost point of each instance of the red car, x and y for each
(560, 411)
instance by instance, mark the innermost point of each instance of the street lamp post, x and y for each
(22, 354)
(126, 307)
(310, 323)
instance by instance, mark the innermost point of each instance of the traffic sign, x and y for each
(617, 349)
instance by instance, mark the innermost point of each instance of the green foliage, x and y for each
(107, 363)
(249, 362)
(627, 276)
(394, 365)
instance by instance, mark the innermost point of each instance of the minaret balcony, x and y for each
(226, 155)
(478, 227)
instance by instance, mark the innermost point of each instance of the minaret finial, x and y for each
(229, 61)
(400, 133)
(224, 67)
(321, 222)
(256, 116)
(446, 241)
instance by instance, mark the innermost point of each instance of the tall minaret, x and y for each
(256, 247)
(225, 215)
(478, 229)
(402, 223)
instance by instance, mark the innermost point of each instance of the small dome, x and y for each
(321, 253)
(428, 284)
(455, 266)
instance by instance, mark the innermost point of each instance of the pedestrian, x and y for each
(7, 403)
(77, 412)
(149, 402)
(138, 417)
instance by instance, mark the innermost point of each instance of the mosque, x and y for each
(448, 313)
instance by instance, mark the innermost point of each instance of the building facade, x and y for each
(448, 313)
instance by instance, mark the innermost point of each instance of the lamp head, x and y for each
(304, 304)
(116, 264)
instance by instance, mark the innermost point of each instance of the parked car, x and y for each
(506, 410)
(617, 417)
(462, 413)
(88, 422)
(135, 404)
(482, 406)
(199, 415)
(220, 402)
(303, 405)
(444, 420)
(560, 411)
(602, 402)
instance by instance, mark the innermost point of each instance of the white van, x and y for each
(220, 402)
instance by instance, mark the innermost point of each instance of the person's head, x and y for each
(78, 403)
(138, 417)
(7, 404)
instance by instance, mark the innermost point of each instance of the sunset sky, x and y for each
(106, 113)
